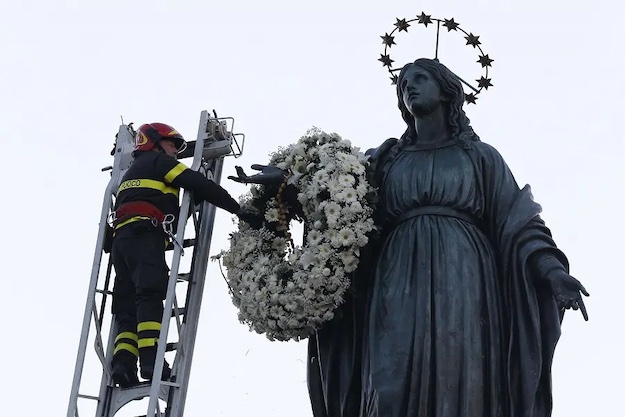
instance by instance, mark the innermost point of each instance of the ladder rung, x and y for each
(107, 292)
(125, 395)
(181, 310)
(184, 277)
(185, 244)
(89, 397)
(171, 346)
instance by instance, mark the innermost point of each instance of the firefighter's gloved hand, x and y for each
(254, 219)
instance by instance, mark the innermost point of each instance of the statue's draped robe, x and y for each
(444, 318)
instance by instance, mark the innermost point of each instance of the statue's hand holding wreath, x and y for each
(269, 175)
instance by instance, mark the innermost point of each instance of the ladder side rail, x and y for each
(90, 302)
(196, 291)
(181, 312)
(197, 215)
(106, 381)
(173, 276)
(99, 320)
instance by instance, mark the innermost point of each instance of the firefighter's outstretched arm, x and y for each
(203, 189)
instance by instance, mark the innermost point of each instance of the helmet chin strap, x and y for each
(154, 136)
(158, 146)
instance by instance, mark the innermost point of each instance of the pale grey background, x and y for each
(68, 70)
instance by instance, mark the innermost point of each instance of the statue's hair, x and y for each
(453, 94)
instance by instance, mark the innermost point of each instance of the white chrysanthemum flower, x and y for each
(332, 209)
(349, 196)
(312, 192)
(321, 177)
(345, 143)
(271, 215)
(346, 236)
(325, 250)
(334, 187)
(248, 244)
(279, 244)
(299, 150)
(358, 168)
(307, 259)
(314, 237)
(346, 180)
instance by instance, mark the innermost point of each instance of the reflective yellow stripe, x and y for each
(148, 325)
(143, 343)
(175, 171)
(126, 346)
(126, 335)
(151, 184)
(130, 220)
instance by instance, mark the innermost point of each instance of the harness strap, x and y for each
(137, 208)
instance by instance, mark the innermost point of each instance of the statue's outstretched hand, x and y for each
(567, 291)
(269, 175)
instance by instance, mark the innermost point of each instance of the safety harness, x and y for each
(142, 210)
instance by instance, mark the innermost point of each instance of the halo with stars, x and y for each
(402, 25)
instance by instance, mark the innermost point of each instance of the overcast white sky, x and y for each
(68, 70)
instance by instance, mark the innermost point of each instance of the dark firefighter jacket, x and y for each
(156, 178)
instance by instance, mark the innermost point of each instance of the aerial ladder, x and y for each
(215, 141)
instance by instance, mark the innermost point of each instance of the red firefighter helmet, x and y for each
(149, 134)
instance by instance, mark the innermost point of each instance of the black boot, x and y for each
(124, 366)
(147, 358)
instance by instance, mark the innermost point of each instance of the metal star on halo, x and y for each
(388, 40)
(424, 19)
(451, 24)
(401, 24)
(470, 98)
(385, 60)
(485, 61)
(472, 40)
(394, 78)
(484, 83)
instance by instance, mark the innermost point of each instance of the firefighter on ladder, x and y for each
(146, 208)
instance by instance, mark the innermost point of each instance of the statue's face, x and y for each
(421, 93)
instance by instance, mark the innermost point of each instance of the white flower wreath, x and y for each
(288, 293)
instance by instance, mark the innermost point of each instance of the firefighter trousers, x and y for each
(141, 276)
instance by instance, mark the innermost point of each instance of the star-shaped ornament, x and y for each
(485, 61)
(484, 83)
(401, 24)
(424, 19)
(388, 40)
(470, 98)
(385, 60)
(451, 24)
(394, 79)
(472, 40)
